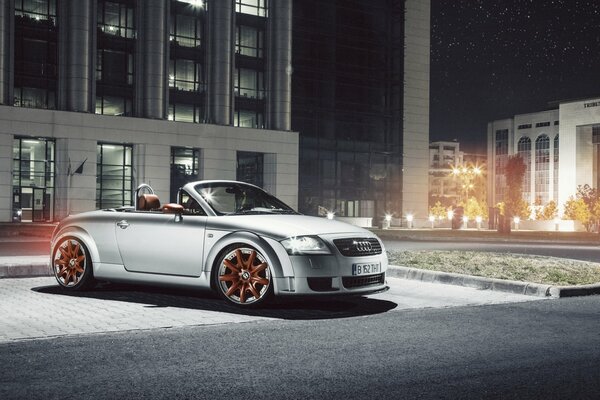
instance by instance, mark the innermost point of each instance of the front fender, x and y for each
(79, 234)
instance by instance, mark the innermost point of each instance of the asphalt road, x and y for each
(577, 252)
(540, 349)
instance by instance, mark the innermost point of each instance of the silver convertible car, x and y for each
(227, 236)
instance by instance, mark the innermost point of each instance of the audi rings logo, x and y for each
(363, 246)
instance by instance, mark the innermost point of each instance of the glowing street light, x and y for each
(478, 219)
(409, 219)
(330, 215)
(388, 221)
(465, 222)
(516, 220)
(450, 214)
(432, 220)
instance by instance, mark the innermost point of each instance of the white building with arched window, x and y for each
(560, 148)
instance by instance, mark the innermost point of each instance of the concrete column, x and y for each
(77, 50)
(280, 65)
(415, 141)
(220, 61)
(153, 57)
(6, 167)
(6, 45)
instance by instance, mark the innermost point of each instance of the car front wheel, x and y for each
(243, 276)
(72, 265)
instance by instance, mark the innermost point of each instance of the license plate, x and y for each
(366, 269)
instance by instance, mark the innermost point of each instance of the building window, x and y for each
(186, 30)
(542, 169)
(116, 19)
(249, 41)
(542, 124)
(113, 105)
(556, 149)
(249, 83)
(502, 142)
(114, 180)
(252, 7)
(43, 12)
(250, 167)
(248, 119)
(501, 159)
(35, 54)
(185, 75)
(186, 112)
(114, 67)
(524, 126)
(185, 167)
(33, 179)
(524, 150)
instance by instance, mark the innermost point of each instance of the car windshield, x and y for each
(238, 198)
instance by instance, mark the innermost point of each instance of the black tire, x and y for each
(242, 276)
(72, 265)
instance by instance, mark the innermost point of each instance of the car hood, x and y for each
(281, 226)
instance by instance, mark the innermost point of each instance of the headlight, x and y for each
(305, 245)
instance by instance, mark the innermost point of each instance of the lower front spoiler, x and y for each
(300, 287)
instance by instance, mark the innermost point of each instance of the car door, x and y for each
(157, 243)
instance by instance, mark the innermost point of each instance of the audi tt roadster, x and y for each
(227, 236)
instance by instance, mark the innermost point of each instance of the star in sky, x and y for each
(494, 59)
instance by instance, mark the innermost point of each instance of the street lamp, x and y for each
(409, 219)
(516, 220)
(330, 215)
(466, 221)
(478, 219)
(388, 220)
(468, 175)
(432, 220)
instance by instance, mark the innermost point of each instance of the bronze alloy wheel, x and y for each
(71, 264)
(243, 276)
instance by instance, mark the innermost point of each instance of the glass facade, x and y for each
(33, 179)
(250, 168)
(347, 105)
(542, 169)
(524, 150)
(185, 167)
(114, 179)
(187, 82)
(115, 58)
(252, 7)
(35, 61)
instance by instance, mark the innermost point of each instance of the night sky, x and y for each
(492, 59)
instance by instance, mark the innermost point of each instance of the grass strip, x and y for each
(516, 267)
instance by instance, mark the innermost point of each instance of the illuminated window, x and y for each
(186, 112)
(249, 41)
(113, 105)
(248, 119)
(249, 83)
(114, 179)
(252, 7)
(40, 11)
(501, 159)
(250, 167)
(116, 19)
(185, 167)
(524, 150)
(33, 179)
(542, 168)
(185, 75)
(186, 30)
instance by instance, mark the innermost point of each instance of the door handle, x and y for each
(123, 224)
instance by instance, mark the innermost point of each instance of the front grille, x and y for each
(351, 282)
(320, 284)
(356, 247)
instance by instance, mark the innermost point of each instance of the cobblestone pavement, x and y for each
(32, 308)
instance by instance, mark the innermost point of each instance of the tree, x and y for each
(438, 210)
(549, 212)
(578, 210)
(474, 208)
(523, 211)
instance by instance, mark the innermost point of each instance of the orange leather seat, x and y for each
(148, 202)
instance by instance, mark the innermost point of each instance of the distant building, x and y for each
(555, 167)
(448, 183)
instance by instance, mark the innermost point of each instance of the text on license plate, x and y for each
(366, 269)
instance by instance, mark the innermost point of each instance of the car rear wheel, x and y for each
(72, 265)
(243, 276)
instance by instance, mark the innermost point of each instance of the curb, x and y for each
(500, 285)
(25, 270)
